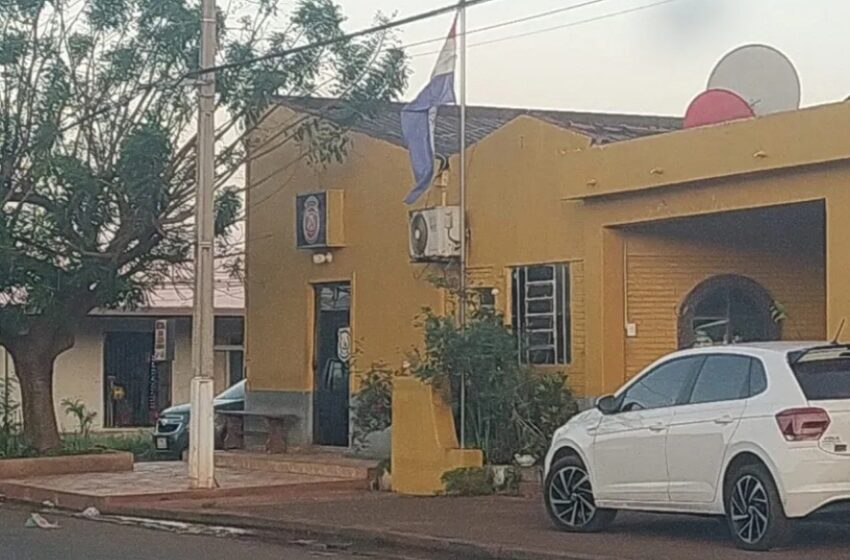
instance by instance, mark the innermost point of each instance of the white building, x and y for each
(110, 366)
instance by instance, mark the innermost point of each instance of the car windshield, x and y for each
(824, 378)
(234, 393)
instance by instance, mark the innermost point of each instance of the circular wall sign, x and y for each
(343, 344)
(311, 220)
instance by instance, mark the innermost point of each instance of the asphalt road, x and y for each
(79, 539)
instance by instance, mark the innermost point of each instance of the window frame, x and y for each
(747, 385)
(561, 311)
(684, 395)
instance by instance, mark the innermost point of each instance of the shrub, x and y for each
(81, 413)
(12, 443)
(509, 408)
(473, 481)
(371, 409)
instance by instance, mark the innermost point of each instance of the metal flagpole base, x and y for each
(201, 435)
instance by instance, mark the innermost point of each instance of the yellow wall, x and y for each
(538, 193)
(661, 272)
(782, 159)
(388, 292)
(514, 215)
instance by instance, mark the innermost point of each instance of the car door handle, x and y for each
(725, 419)
(658, 427)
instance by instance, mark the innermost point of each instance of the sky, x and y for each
(652, 61)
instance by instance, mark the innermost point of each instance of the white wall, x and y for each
(79, 371)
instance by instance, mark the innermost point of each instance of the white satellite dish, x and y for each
(762, 75)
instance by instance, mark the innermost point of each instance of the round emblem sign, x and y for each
(311, 220)
(343, 344)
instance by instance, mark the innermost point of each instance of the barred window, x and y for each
(541, 313)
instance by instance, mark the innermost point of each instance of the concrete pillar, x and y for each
(837, 267)
(605, 301)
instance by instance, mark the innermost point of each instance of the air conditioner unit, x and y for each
(435, 234)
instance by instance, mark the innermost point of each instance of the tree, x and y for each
(97, 160)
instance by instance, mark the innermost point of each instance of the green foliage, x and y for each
(83, 416)
(12, 443)
(510, 408)
(371, 409)
(472, 481)
(140, 445)
(97, 171)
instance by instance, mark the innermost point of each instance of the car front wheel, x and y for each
(754, 510)
(569, 498)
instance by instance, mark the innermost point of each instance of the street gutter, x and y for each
(287, 531)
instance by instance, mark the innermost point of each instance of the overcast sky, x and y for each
(650, 61)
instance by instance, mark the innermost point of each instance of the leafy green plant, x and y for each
(472, 481)
(371, 409)
(12, 443)
(509, 408)
(83, 416)
(140, 445)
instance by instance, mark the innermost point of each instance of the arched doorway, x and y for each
(727, 309)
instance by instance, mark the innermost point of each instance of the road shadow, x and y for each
(808, 534)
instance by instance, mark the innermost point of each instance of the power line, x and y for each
(561, 26)
(342, 38)
(510, 22)
(173, 82)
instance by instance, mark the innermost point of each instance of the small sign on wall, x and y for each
(163, 340)
(318, 220)
(343, 344)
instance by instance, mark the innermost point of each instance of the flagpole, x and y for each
(463, 239)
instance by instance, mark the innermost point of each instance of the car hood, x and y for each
(177, 410)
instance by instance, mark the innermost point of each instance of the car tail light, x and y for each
(803, 424)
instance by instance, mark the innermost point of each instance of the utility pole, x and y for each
(201, 440)
(464, 249)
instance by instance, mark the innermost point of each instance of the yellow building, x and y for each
(651, 239)
(295, 307)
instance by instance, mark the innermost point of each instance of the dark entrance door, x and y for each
(330, 364)
(127, 379)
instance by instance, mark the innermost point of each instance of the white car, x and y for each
(756, 432)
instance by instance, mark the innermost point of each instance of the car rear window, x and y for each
(824, 379)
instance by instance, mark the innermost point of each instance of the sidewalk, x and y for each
(288, 507)
(491, 527)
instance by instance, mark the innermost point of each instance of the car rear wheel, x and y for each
(569, 498)
(754, 510)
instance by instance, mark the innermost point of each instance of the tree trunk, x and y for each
(35, 375)
(34, 355)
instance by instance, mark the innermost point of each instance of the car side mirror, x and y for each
(608, 405)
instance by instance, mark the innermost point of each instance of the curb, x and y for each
(288, 530)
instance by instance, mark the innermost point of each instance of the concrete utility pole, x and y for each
(201, 439)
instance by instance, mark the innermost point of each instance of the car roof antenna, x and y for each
(840, 330)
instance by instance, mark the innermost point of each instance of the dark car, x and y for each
(171, 433)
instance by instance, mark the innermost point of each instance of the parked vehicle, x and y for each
(756, 432)
(171, 432)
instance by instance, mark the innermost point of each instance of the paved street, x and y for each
(521, 524)
(90, 540)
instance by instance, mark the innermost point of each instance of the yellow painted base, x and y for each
(424, 444)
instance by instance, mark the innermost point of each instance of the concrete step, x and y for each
(331, 465)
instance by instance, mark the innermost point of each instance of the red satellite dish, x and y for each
(716, 106)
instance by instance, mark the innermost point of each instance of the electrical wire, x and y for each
(341, 39)
(561, 26)
(511, 22)
(196, 74)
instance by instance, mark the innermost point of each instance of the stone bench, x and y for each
(277, 427)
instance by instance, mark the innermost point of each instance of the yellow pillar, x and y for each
(837, 267)
(424, 442)
(605, 301)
